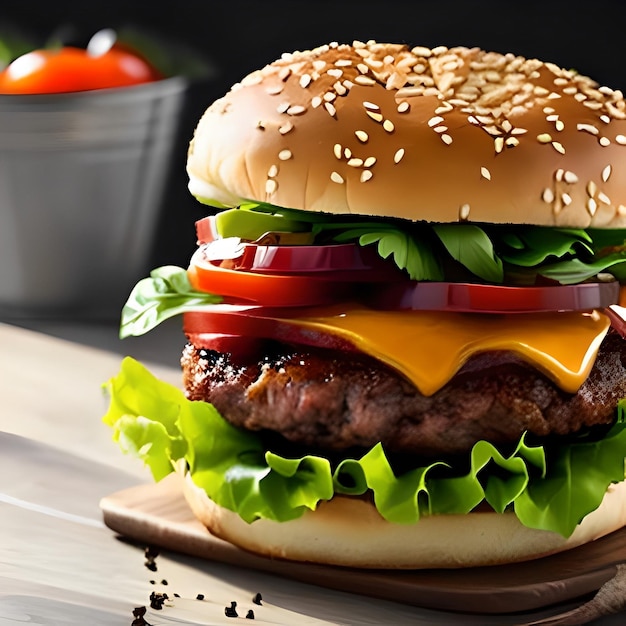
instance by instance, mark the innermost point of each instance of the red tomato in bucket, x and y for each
(71, 69)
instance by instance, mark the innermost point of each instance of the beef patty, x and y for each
(334, 400)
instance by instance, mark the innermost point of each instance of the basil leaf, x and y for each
(409, 254)
(470, 246)
(166, 293)
(575, 271)
(539, 243)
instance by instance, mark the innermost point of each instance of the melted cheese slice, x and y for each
(430, 347)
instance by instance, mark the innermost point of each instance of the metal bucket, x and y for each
(82, 182)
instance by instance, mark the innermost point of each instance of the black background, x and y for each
(241, 35)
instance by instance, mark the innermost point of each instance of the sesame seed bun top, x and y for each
(442, 135)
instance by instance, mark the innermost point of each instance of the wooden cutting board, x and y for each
(158, 515)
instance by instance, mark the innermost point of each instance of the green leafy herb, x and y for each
(408, 253)
(550, 488)
(536, 244)
(166, 293)
(470, 246)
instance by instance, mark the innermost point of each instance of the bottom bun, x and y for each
(349, 531)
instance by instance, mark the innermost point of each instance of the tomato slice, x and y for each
(220, 326)
(346, 261)
(272, 289)
(349, 261)
(475, 298)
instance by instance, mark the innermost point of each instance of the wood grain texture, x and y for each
(158, 514)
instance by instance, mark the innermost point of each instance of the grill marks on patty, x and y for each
(334, 400)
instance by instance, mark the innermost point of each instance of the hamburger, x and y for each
(405, 339)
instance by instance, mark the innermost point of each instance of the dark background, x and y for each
(238, 36)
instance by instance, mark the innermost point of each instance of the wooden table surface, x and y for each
(59, 564)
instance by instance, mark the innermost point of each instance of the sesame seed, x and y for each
(285, 128)
(330, 108)
(335, 73)
(361, 135)
(270, 186)
(621, 140)
(316, 101)
(421, 51)
(592, 206)
(371, 106)
(397, 157)
(559, 125)
(606, 173)
(588, 128)
(440, 129)
(305, 80)
(273, 171)
(337, 178)
(337, 150)
(558, 175)
(354, 162)
(605, 118)
(621, 210)
(364, 80)
(275, 90)
(377, 117)
(362, 68)
(604, 141)
(592, 188)
(284, 155)
(544, 138)
(369, 161)
(566, 199)
(282, 107)
(464, 211)
(519, 131)
(558, 147)
(403, 107)
(548, 195)
(347, 153)
(498, 144)
(446, 139)
(591, 104)
(329, 96)
(435, 121)
(319, 65)
(485, 173)
(604, 198)
(340, 89)
(365, 176)
(388, 126)
(343, 62)
(296, 110)
(511, 142)
(507, 126)
(570, 177)
(444, 108)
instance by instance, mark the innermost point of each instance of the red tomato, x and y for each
(266, 289)
(74, 69)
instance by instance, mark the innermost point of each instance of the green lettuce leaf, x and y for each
(549, 487)
(166, 293)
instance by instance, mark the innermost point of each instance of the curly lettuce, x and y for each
(550, 488)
